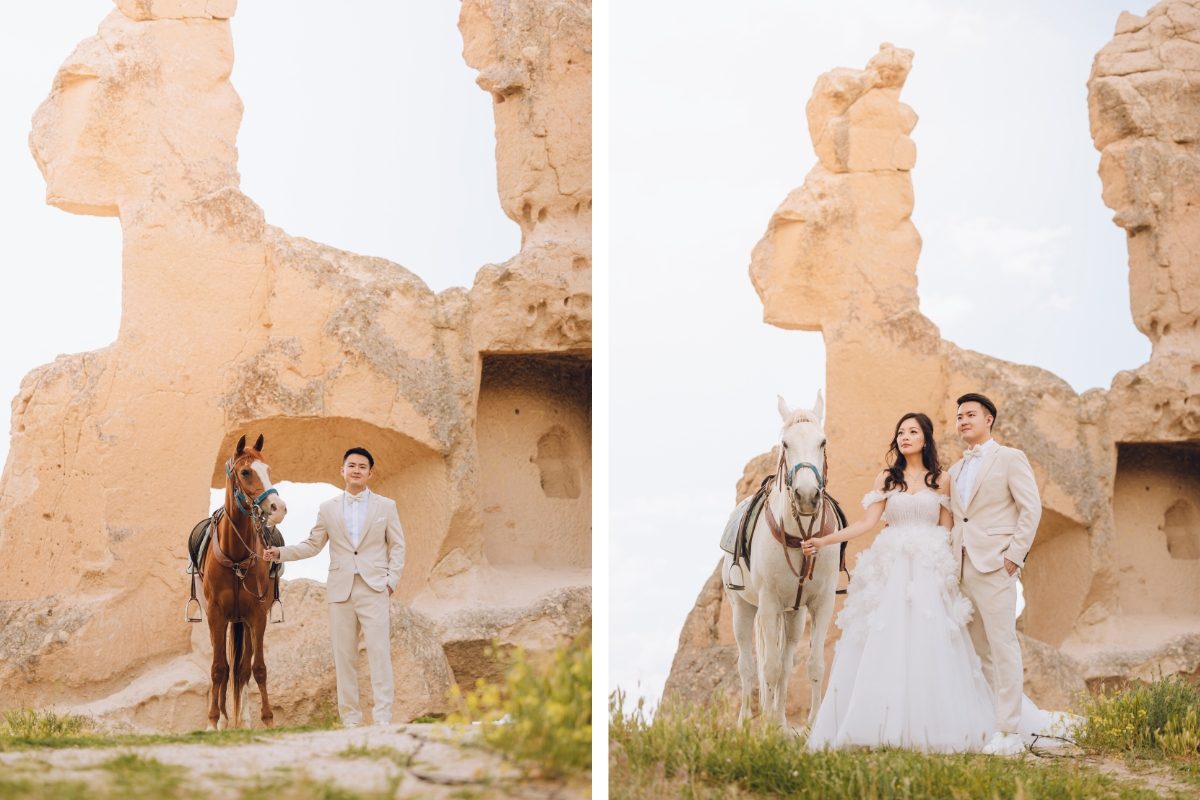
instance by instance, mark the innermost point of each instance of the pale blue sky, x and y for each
(708, 135)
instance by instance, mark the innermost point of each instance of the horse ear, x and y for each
(784, 411)
(258, 445)
(241, 445)
(819, 408)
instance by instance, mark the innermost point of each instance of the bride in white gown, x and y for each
(905, 673)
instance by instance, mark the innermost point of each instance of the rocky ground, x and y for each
(395, 761)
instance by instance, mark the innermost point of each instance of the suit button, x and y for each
(964, 520)
(356, 552)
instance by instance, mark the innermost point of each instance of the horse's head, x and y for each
(250, 481)
(802, 454)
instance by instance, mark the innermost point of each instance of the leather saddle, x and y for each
(201, 535)
(738, 536)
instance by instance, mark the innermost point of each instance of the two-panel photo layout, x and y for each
(891, 329)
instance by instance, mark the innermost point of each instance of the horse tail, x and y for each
(237, 653)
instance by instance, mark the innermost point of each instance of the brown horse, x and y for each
(237, 587)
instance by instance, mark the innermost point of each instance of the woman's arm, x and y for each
(865, 523)
(946, 518)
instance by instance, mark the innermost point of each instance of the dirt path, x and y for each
(403, 761)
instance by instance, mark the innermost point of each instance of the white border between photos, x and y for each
(600, 372)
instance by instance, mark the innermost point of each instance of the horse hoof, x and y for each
(211, 727)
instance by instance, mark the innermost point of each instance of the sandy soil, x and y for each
(427, 761)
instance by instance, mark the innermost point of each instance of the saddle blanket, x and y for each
(752, 506)
(744, 508)
(198, 545)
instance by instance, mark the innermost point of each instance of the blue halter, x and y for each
(791, 475)
(239, 497)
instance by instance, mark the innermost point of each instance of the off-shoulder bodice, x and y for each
(922, 508)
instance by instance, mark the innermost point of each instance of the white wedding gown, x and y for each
(905, 673)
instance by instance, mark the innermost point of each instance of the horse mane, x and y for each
(800, 415)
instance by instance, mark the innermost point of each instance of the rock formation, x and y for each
(476, 403)
(1112, 585)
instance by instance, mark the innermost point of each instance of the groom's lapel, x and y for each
(988, 461)
(337, 516)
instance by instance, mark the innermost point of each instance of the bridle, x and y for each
(258, 520)
(786, 477)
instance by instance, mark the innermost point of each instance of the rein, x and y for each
(785, 477)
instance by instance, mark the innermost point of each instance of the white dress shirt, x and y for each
(969, 471)
(354, 513)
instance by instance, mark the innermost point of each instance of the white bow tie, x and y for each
(356, 498)
(973, 452)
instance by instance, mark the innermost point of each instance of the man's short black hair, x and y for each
(359, 451)
(975, 397)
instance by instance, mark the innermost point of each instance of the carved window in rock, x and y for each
(1181, 524)
(558, 464)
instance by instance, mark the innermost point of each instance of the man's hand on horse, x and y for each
(271, 554)
(1010, 567)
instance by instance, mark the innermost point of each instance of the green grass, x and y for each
(48, 724)
(46, 729)
(428, 718)
(1156, 719)
(542, 715)
(402, 760)
(691, 752)
(132, 777)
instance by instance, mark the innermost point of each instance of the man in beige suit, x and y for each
(996, 508)
(366, 557)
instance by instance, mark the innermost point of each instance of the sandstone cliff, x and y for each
(232, 326)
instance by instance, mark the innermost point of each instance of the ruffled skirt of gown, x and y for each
(905, 673)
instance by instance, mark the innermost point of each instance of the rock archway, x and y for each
(310, 449)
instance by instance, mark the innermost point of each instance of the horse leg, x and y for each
(793, 622)
(220, 669)
(258, 631)
(822, 611)
(770, 666)
(743, 633)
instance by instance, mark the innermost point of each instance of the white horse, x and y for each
(770, 585)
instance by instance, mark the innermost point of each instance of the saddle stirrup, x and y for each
(187, 607)
(736, 582)
(187, 611)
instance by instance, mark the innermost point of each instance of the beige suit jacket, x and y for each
(380, 553)
(1000, 518)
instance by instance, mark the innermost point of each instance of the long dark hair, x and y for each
(897, 462)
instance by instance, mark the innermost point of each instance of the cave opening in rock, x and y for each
(535, 448)
(1156, 498)
(305, 455)
(1056, 578)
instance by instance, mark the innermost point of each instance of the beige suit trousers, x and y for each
(369, 610)
(994, 632)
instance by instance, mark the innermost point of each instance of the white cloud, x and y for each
(1059, 302)
(992, 244)
(943, 309)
